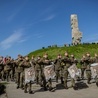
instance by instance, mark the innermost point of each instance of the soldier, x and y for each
(83, 66)
(18, 70)
(38, 70)
(67, 64)
(26, 64)
(95, 60)
(73, 61)
(16, 67)
(47, 62)
(58, 68)
(12, 72)
(7, 68)
(1, 66)
(88, 61)
(3, 71)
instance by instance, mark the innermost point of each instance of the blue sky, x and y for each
(28, 25)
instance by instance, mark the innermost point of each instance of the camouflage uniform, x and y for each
(18, 70)
(38, 70)
(12, 72)
(7, 68)
(33, 62)
(83, 66)
(66, 65)
(3, 71)
(26, 64)
(58, 68)
(46, 62)
(73, 61)
(1, 68)
(88, 61)
(95, 60)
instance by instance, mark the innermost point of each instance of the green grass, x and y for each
(78, 50)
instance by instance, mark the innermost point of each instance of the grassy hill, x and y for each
(77, 50)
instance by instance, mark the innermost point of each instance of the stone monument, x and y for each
(76, 34)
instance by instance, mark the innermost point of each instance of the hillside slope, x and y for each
(77, 50)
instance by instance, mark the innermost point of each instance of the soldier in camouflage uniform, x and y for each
(83, 66)
(47, 62)
(38, 64)
(7, 68)
(12, 72)
(26, 64)
(1, 67)
(88, 61)
(95, 60)
(58, 68)
(73, 61)
(66, 64)
(39, 77)
(3, 71)
(18, 70)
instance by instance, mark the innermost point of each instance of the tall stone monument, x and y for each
(76, 34)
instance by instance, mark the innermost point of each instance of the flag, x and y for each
(49, 72)
(74, 71)
(94, 69)
(29, 74)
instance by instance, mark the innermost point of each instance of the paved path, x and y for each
(83, 92)
(3, 96)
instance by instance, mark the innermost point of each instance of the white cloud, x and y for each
(16, 37)
(38, 35)
(49, 17)
(22, 40)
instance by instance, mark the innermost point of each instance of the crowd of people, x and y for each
(14, 70)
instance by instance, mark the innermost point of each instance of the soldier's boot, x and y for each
(62, 82)
(29, 87)
(17, 87)
(25, 88)
(75, 87)
(18, 84)
(66, 87)
(73, 84)
(88, 80)
(51, 89)
(31, 92)
(96, 81)
(65, 84)
(97, 84)
(45, 88)
(25, 91)
(22, 86)
(44, 85)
